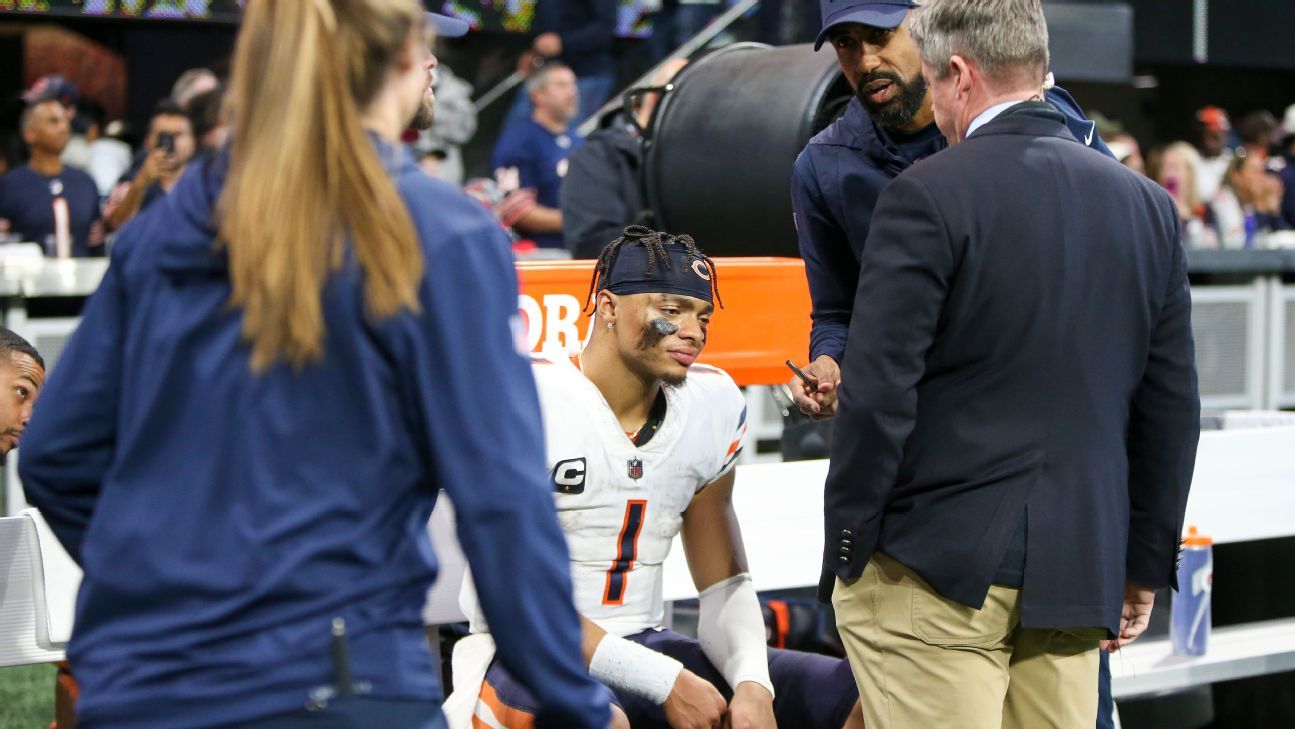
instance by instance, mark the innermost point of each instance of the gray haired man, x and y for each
(1018, 414)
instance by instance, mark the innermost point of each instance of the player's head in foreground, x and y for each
(653, 295)
(22, 372)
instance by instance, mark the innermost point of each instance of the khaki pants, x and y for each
(922, 661)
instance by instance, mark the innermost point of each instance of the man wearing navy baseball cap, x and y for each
(887, 127)
(881, 14)
(446, 26)
(442, 26)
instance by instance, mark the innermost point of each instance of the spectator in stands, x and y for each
(603, 191)
(8, 139)
(169, 146)
(453, 125)
(1244, 207)
(209, 126)
(192, 83)
(1258, 132)
(58, 88)
(46, 201)
(1286, 165)
(1123, 145)
(580, 34)
(1176, 168)
(1125, 148)
(533, 154)
(1271, 194)
(107, 159)
(676, 22)
(1212, 129)
(22, 374)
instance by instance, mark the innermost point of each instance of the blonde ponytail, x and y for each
(305, 181)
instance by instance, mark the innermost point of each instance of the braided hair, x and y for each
(655, 242)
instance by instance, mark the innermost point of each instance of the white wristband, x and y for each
(626, 665)
(731, 631)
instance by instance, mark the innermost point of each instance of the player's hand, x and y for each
(619, 720)
(1134, 617)
(818, 403)
(751, 708)
(548, 45)
(694, 703)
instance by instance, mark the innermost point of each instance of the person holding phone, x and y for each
(167, 150)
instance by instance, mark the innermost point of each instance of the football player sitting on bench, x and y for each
(641, 446)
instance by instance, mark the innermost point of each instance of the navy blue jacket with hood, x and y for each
(224, 518)
(834, 188)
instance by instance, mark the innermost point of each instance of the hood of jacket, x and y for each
(186, 219)
(854, 129)
(187, 216)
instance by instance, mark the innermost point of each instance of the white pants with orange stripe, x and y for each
(469, 663)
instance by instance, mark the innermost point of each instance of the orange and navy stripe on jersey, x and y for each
(735, 448)
(626, 552)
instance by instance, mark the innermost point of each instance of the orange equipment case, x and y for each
(764, 322)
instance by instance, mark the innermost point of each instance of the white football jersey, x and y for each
(621, 505)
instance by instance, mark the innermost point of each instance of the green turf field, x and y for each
(27, 697)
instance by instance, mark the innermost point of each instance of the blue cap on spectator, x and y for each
(447, 27)
(878, 14)
(52, 86)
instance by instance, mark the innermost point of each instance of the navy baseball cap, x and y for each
(878, 14)
(52, 87)
(446, 27)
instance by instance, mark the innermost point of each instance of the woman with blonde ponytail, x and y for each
(286, 361)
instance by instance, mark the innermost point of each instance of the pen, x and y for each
(811, 381)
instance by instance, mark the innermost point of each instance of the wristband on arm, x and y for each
(731, 631)
(626, 665)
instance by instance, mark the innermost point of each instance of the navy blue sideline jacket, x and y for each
(224, 519)
(835, 184)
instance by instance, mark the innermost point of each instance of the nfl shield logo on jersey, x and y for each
(635, 468)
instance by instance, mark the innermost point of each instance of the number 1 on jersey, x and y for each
(627, 545)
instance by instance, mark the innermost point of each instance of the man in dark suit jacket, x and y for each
(1019, 410)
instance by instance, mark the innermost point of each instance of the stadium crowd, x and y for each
(1234, 183)
(74, 181)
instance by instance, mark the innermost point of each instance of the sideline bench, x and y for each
(1242, 491)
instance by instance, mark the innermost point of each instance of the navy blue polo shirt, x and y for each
(540, 159)
(27, 202)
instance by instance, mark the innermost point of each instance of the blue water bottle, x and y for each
(1189, 623)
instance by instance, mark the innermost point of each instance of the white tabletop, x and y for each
(1239, 651)
(1243, 490)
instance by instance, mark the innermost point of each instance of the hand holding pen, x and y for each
(813, 388)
